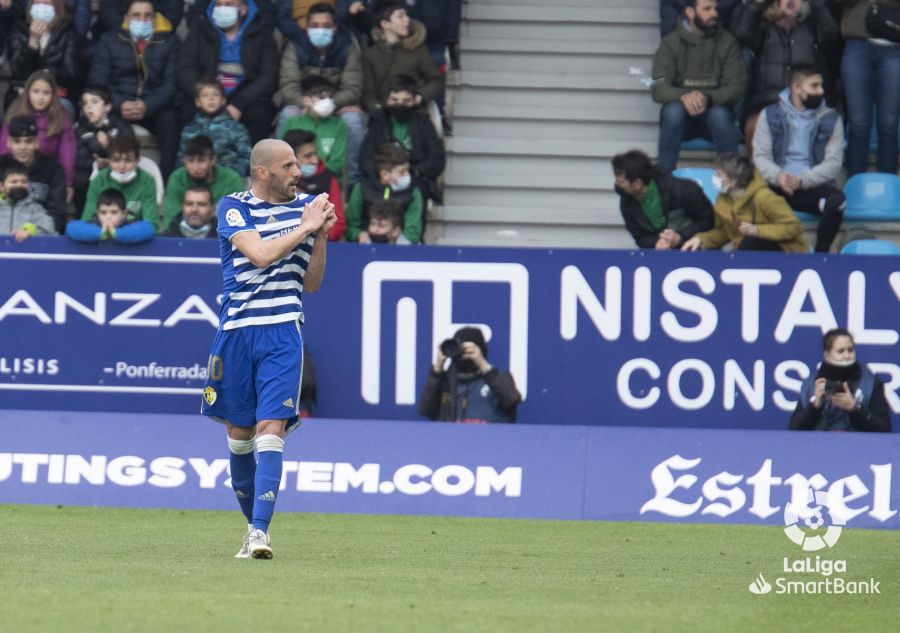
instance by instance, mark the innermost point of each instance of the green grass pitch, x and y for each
(99, 569)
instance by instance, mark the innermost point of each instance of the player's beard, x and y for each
(285, 193)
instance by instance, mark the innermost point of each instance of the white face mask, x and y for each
(324, 107)
(402, 184)
(123, 179)
(717, 182)
(225, 17)
(43, 12)
(842, 363)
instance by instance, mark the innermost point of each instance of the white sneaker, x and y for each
(258, 544)
(244, 552)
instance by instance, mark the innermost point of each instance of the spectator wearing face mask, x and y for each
(398, 48)
(315, 177)
(749, 215)
(136, 63)
(46, 177)
(842, 395)
(232, 43)
(20, 215)
(782, 34)
(123, 173)
(403, 122)
(325, 48)
(799, 148)
(386, 223)
(393, 182)
(319, 118)
(197, 219)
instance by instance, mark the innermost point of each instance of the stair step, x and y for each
(603, 131)
(466, 109)
(599, 100)
(525, 147)
(523, 215)
(592, 46)
(606, 203)
(552, 81)
(583, 63)
(551, 14)
(485, 29)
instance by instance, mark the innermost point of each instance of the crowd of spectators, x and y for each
(777, 73)
(346, 83)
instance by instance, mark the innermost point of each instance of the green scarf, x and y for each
(652, 206)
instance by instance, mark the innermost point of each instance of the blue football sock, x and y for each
(243, 474)
(268, 479)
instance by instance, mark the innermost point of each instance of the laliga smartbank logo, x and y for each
(814, 528)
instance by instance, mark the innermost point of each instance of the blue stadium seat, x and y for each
(871, 247)
(873, 196)
(698, 144)
(702, 176)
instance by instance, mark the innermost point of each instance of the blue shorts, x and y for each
(254, 374)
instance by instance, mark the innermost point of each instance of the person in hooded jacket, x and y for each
(232, 43)
(398, 48)
(799, 149)
(136, 63)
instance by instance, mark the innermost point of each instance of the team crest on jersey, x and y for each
(210, 395)
(234, 218)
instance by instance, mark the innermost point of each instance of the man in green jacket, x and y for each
(698, 76)
(199, 168)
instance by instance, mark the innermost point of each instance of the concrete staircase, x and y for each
(547, 95)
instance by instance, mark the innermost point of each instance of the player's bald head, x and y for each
(267, 152)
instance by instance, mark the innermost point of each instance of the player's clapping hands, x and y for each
(318, 213)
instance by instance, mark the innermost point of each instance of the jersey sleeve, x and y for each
(233, 217)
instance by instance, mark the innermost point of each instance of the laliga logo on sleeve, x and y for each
(234, 218)
(813, 519)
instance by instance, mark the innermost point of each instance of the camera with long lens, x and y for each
(452, 348)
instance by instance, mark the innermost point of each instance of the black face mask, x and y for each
(401, 113)
(379, 239)
(811, 102)
(16, 194)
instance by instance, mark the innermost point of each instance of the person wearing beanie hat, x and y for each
(483, 393)
(843, 395)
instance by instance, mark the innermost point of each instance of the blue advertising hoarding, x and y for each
(515, 471)
(628, 338)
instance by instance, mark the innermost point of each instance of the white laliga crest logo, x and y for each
(442, 276)
(813, 519)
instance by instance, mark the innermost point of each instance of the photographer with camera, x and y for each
(843, 395)
(482, 393)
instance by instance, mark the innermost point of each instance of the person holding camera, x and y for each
(843, 395)
(481, 393)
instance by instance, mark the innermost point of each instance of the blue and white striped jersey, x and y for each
(255, 296)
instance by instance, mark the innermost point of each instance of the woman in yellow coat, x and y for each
(749, 215)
